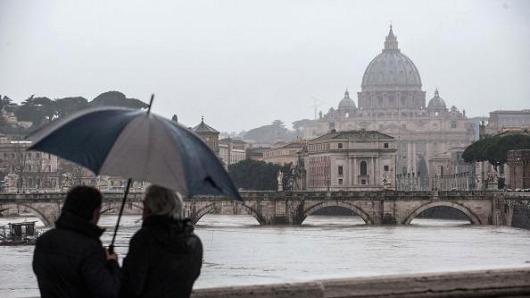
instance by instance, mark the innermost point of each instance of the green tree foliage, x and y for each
(43, 110)
(115, 98)
(270, 133)
(5, 102)
(38, 110)
(68, 105)
(494, 149)
(254, 175)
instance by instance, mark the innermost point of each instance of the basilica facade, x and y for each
(391, 101)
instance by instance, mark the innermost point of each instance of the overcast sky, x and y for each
(245, 63)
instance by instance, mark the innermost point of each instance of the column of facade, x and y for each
(350, 172)
(377, 174)
(414, 156)
(373, 171)
(355, 171)
(409, 160)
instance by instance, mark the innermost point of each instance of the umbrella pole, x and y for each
(111, 246)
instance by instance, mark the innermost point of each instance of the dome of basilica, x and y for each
(346, 104)
(391, 69)
(436, 103)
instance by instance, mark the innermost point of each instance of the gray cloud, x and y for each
(242, 64)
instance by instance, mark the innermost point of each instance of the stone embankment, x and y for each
(484, 283)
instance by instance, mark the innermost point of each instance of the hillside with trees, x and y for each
(38, 111)
(270, 134)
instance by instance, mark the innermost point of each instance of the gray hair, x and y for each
(163, 201)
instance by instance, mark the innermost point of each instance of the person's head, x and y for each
(83, 201)
(162, 201)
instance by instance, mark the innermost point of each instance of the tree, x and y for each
(270, 133)
(4, 102)
(297, 125)
(495, 149)
(477, 150)
(38, 110)
(115, 98)
(68, 105)
(254, 175)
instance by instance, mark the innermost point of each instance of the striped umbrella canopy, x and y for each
(138, 145)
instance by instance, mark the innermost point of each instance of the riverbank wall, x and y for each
(482, 283)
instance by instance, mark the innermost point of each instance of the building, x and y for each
(208, 134)
(256, 153)
(392, 102)
(232, 151)
(451, 172)
(501, 121)
(518, 169)
(284, 154)
(27, 171)
(350, 160)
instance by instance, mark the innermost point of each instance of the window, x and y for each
(340, 181)
(386, 168)
(453, 124)
(364, 168)
(340, 170)
(363, 182)
(339, 145)
(385, 145)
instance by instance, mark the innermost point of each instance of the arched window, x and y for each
(364, 168)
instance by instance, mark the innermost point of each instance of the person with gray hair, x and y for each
(165, 256)
(164, 202)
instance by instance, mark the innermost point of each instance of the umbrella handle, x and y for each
(111, 246)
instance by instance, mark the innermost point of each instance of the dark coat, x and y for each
(164, 260)
(70, 261)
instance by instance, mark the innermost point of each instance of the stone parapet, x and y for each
(481, 283)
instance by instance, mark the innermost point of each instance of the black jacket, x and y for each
(70, 261)
(164, 260)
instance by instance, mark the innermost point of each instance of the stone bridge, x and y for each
(292, 208)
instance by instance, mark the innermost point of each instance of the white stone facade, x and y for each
(232, 151)
(284, 154)
(350, 160)
(391, 101)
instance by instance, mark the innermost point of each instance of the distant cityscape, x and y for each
(393, 138)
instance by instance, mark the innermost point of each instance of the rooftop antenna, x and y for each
(316, 104)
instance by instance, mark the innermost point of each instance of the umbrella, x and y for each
(138, 145)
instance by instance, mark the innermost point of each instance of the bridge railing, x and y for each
(300, 195)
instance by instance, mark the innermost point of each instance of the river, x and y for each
(240, 252)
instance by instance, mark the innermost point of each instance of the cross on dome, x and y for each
(391, 42)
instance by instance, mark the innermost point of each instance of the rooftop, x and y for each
(203, 127)
(355, 135)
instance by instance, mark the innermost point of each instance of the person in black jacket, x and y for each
(69, 260)
(165, 256)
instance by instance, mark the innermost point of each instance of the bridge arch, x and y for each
(210, 208)
(46, 219)
(355, 209)
(111, 207)
(470, 214)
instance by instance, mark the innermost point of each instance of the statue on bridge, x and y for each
(279, 180)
